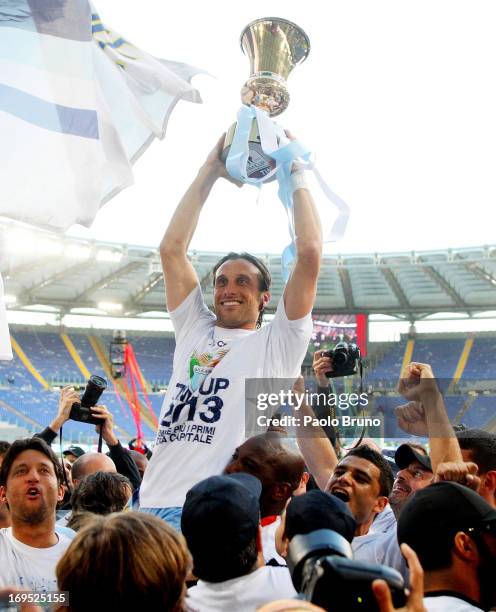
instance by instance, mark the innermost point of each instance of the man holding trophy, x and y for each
(202, 419)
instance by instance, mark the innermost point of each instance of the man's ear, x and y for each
(464, 547)
(3, 495)
(264, 300)
(488, 485)
(60, 494)
(380, 504)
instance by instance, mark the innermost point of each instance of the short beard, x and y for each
(397, 505)
(33, 517)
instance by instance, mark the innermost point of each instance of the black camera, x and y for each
(346, 359)
(80, 411)
(323, 571)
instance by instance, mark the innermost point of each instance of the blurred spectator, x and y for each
(31, 484)
(280, 470)
(311, 511)
(144, 449)
(220, 521)
(126, 561)
(4, 510)
(121, 458)
(67, 485)
(453, 532)
(415, 473)
(479, 446)
(89, 463)
(99, 493)
(72, 453)
(140, 460)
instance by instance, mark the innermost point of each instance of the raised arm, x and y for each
(179, 275)
(426, 415)
(318, 452)
(299, 295)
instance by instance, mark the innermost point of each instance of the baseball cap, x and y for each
(77, 451)
(388, 455)
(406, 454)
(439, 510)
(222, 512)
(318, 510)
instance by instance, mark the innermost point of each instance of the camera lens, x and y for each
(340, 356)
(95, 387)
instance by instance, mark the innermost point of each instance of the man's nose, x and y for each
(345, 478)
(229, 288)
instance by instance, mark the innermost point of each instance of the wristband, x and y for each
(298, 181)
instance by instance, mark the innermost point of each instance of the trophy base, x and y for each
(259, 164)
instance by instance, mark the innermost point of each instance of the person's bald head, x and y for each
(278, 467)
(89, 463)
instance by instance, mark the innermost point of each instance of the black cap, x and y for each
(439, 510)
(77, 451)
(222, 512)
(318, 510)
(406, 454)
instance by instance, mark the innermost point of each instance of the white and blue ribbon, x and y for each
(275, 144)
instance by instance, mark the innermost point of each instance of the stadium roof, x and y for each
(88, 277)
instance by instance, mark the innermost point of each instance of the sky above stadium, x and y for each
(396, 99)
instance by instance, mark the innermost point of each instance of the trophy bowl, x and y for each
(274, 47)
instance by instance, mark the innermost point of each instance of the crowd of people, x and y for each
(214, 521)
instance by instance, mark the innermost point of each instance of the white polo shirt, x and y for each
(243, 594)
(448, 603)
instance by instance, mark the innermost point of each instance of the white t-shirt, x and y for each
(450, 603)
(27, 567)
(384, 522)
(381, 548)
(244, 594)
(203, 415)
(368, 547)
(392, 554)
(269, 542)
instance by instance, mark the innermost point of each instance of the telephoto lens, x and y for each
(95, 386)
(81, 411)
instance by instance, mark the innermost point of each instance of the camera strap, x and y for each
(100, 440)
(364, 427)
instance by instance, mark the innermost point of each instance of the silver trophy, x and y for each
(274, 46)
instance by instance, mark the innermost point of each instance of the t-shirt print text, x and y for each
(190, 416)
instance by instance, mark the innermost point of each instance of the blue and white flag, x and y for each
(78, 105)
(5, 348)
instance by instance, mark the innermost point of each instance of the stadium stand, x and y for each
(387, 369)
(482, 360)
(49, 356)
(154, 355)
(27, 403)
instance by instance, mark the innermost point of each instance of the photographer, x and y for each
(322, 364)
(124, 462)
